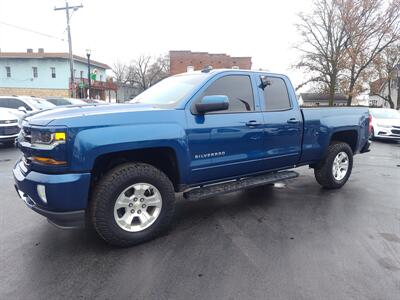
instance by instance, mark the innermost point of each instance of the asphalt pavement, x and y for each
(291, 241)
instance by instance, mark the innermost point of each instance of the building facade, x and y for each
(379, 90)
(186, 61)
(43, 74)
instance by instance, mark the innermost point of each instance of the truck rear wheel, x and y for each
(335, 169)
(131, 204)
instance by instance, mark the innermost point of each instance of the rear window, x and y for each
(276, 96)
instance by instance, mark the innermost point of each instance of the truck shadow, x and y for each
(187, 215)
(59, 255)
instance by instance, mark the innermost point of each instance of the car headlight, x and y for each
(39, 137)
(384, 125)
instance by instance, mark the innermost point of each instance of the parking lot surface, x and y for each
(291, 241)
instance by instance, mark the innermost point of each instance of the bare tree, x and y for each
(385, 65)
(370, 27)
(145, 71)
(121, 72)
(323, 45)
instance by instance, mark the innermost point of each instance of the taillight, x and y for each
(370, 124)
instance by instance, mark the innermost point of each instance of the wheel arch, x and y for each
(163, 158)
(349, 137)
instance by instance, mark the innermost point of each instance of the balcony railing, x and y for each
(95, 84)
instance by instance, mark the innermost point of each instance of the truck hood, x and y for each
(67, 114)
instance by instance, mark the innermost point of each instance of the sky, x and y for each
(121, 30)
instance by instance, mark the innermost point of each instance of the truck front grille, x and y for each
(8, 121)
(9, 130)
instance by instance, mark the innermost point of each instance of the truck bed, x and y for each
(321, 123)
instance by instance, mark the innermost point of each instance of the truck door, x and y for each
(227, 143)
(283, 122)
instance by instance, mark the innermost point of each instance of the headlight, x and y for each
(384, 125)
(47, 138)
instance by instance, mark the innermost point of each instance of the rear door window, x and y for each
(276, 95)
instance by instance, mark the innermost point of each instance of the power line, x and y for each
(32, 31)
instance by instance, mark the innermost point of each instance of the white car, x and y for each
(21, 105)
(385, 123)
(9, 128)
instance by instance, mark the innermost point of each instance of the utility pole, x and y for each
(71, 58)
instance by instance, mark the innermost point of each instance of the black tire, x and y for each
(106, 193)
(323, 171)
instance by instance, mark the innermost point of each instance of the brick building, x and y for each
(184, 61)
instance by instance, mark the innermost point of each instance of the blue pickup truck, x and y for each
(118, 167)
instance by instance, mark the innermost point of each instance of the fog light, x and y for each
(41, 190)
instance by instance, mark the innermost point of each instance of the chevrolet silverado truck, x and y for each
(117, 168)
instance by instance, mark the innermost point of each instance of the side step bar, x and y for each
(232, 186)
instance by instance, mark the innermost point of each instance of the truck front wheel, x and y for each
(335, 169)
(131, 204)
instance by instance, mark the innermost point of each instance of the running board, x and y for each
(233, 186)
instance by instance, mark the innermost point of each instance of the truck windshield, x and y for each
(170, 91)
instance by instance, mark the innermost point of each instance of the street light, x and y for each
(88, 52)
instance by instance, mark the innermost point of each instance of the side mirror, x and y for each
(264, 81)
(22, 109)
(212, 103)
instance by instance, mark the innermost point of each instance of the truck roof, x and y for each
(217, 71)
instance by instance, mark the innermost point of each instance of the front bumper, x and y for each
(8, 138)
(66, 195)
(64, 220)
(392, 133)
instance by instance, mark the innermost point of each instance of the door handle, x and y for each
(253, 123)
(293, 121)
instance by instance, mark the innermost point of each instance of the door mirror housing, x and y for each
(264, 81)
(212, 103)
(22, 109)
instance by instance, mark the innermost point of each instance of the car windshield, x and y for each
(170, 91)
(41, 103)
(386, 114)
